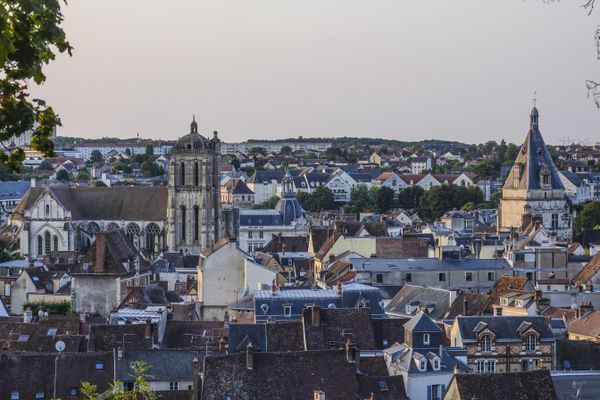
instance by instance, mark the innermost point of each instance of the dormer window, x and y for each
(422, 365)
(486, 343)
(530, 343)
(426, 338)
(436, 364)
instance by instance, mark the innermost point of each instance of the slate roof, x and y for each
(164, 365)
(151, 295)
(588, 325)
(336, 325)
(388, 331)
(532, 155)
(421, 323)
(534, 385)
(578, 354)
(372, 386)
(260, 176)
(13, 190)
(377, 264)
(193, 334)
(109, 337)
(477, 304)
(280, 243)
(421, 296)
(104, 203)
(589, 271)
(271, 376)
(260, 217)
(21, 336)
(241, 188)
(506, 328)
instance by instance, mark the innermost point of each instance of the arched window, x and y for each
(47, 210)
(93, 228)
(55, 243)
(40, 245)
(486, 343)
(196, 223)
(132, 231)
(183, 221)
(152, 232)
(195, 174)
(530, 343)
(113, 226)
(47, 244)
(182, 173)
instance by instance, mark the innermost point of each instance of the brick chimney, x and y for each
(315, 315)
(100, 252)
(465, 307)
(456, 369)
(195, 365)
(249, 357)
(148, 329)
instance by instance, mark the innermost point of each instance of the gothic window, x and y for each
(182, 173)
(55, 243)
(554, 221)
(183, 221)
(152, 232)
(93, 228)
(47, 244)
(195, 174)
(40, 245)
(113, 226)
(196, 223)
(132, 231)
(486, 343)
(47, 210)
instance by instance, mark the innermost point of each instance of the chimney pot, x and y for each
(249, 357)
(456, 369)
(315, 315)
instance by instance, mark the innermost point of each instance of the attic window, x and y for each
(52, 332)
(14, 395)
(39, 395)
(426, 338)
(422, 365)
(383, 385)
(287, 311)
(99, 364)
(436, 364)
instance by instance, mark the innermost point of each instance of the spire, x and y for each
(287, 182)
(534, 115)
(194, 125)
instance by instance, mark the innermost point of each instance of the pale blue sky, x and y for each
(445, 69)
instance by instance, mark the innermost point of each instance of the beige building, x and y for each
(533, 189)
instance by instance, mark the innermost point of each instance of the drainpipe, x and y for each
(55, 373)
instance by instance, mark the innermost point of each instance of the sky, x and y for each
(461, 70)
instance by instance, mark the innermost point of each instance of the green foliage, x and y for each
(332, 152)
(410, 197)
(385, 199)
(321, 199)
(99, 184)
(141, 388)
(285, 150)
(96, 156)
(45, 166)
(485, 169)
(360, 201)
(30, 34)
(118, 165)
(149, 150)
(587, 218)
(57, 308)
(83, 174)
(269, 204)
(236, 163)
(63, 175)
(440, 199)
(149, 168)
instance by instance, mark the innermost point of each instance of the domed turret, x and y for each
(288, 206)
(193, 140)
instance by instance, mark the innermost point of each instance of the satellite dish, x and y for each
(60, 346)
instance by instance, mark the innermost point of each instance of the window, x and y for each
(529, 365)
(436, 392)
(408, 277)
(486, 343)
(195, 174)
(468, 276)
(174, 385)
(530, 343)
(436, 364)
(182, 173)
(39, 395)
(7, 289)
(249, 234)
(99, 364)
(14, 395)
(47, 209)
(55, 244)
(40, 246)
(426, 338)
(554, 221)
(491, 366)
(442, 277)
(47, 248)
(422, 366)
(287, 311)
(196, 223)
(73, 391)
(486, 366)
(383, 385)
(183, 220)
(260, 234)
(491, 276)
(379, 278)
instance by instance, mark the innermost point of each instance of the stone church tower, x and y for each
(194, 214)
(533, 190)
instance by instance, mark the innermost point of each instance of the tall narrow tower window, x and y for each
(196, 223)
(183, 221)
(182, 173)
(195, 174)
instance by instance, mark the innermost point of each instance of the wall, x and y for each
(95, 293)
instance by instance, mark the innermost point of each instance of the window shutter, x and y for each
(443, 389)
(428, 392)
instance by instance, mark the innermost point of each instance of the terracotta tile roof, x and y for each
(534, 385)
(589, 271)
(588, 325)
(509, 284)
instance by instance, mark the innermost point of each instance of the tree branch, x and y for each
(593, 91)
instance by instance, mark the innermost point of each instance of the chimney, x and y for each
(32, 182)
(349, 351)
(319, 395)
(28, 316)
(456, 369)
(148, 329)
(315, 311)
(249, 357)
(100, 252)
(221, 344)
(195, 364)
(273, 288)
(465, 307)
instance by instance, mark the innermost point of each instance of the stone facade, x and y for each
(194, 215)
(533, 189)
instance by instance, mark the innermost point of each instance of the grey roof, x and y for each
(164, 365)
(574, 178)
(422, 296)
(532, 157)
(506, 328)
(260, 217)
(13, 190)
(403, 356)
(261, 176)
(422, 323)
(376, 264)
